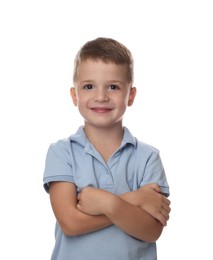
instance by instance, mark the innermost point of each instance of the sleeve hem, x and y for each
(55, 178)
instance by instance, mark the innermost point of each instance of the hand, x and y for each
(154, 203)
(93, 201)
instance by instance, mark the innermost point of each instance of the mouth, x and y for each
(101, 110)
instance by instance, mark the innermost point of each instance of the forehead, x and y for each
(90, 67)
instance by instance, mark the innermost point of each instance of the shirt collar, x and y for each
(81, 138)
(128, 138)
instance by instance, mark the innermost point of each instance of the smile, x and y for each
(101, 109)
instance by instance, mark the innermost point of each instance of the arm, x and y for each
(150, 199)
(73, 222)
(63, 197)
(132, 219)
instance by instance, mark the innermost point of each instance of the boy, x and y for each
(106, 187)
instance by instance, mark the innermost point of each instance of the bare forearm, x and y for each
(80, 223)
(124, 211)
(63, 196)
(129, 197)
(128, 217)
(150, 199)
(134, 220)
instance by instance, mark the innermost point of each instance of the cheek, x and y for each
(82, 101)
(126, 100)
(122, 103)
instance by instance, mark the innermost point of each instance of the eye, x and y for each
(88, 86)
(113, 87)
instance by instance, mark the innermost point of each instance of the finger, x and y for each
(165, 219)
(154, 186)
(165, 214)
(166, 208)
(79, 207)
(162, 219)
(157, 189)
(168, 202)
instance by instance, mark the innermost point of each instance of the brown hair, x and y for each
(107, 50)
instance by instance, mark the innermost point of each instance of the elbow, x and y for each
(69, 230)
(153, 236)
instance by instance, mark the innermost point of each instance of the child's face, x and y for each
(102, 92)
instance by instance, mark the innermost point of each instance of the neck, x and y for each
(105, 140)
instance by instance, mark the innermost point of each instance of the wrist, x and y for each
(109, 204)
(132, 198)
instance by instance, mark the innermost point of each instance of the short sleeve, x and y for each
(155, 173)
(58, 165)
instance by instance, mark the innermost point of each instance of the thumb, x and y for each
(155, 187)
(78, 206)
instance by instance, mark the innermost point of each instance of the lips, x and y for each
(101, 110)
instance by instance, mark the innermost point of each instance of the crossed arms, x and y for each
(142, 213)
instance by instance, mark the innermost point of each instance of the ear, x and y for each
(132, 95)
(73, 95)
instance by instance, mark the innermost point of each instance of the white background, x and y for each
(172, 42)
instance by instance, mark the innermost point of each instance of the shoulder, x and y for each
(138, 144)
(147, 148)
(61, 146)
(64, 144)
(146, 153)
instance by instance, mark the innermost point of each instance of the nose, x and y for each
(101, 95)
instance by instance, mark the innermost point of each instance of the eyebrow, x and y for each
(116, 81)
(86, 81)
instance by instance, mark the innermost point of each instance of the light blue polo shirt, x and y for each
(133, 165)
